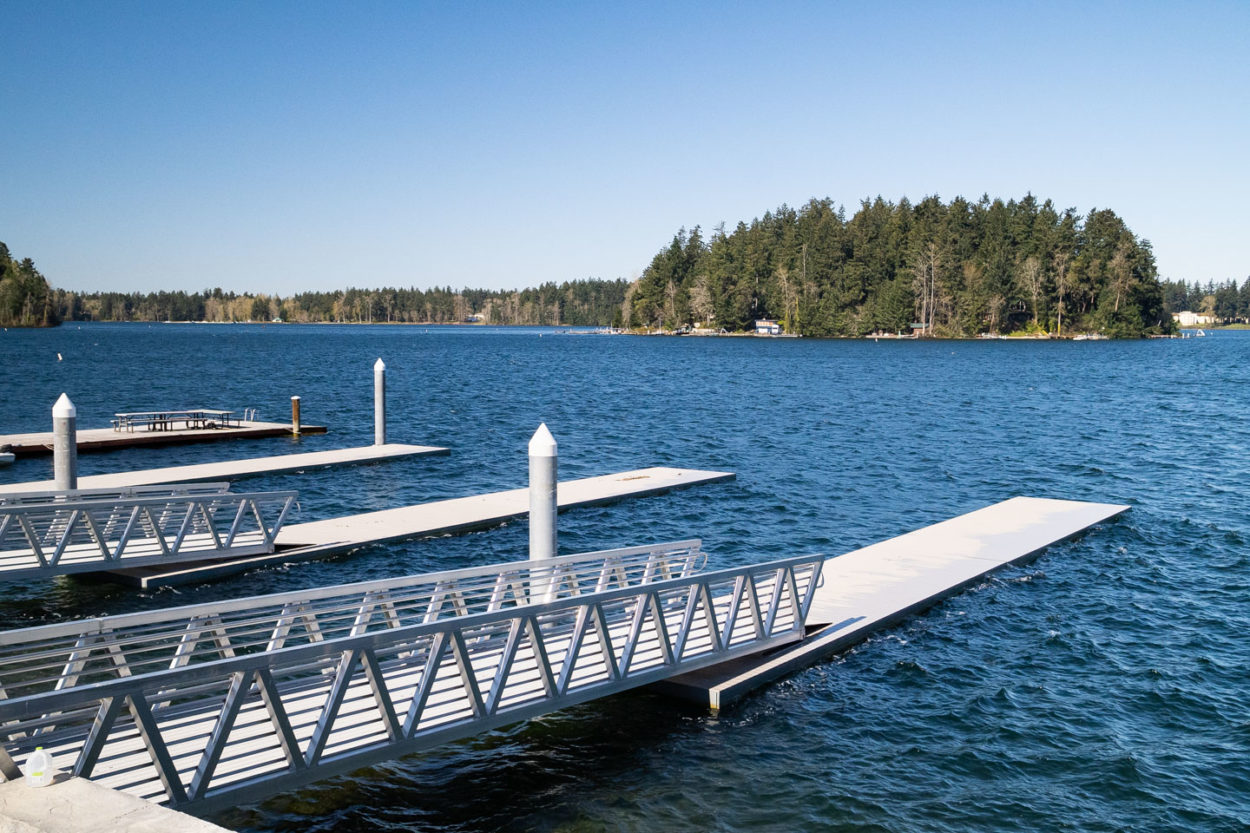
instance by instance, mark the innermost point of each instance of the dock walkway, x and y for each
(108, 439)
(318, 539)
(232, 469)
(882, 584)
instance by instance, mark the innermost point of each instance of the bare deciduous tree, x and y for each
(1030, 275)
(1062, 277)
(670, 305)
(1121, 273)
(925, 272)
(701, 306)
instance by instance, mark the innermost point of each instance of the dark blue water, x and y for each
(1104, 687)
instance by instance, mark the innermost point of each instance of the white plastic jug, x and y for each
(39, 771)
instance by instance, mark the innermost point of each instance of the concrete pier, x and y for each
(319, 539)
(883, 584)
(234, 469)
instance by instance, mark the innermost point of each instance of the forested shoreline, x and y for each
(943, 269)
(578, 303)
(954, 269)
(26, 300)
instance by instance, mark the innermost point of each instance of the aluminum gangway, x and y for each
(87, 530)
(205, 706)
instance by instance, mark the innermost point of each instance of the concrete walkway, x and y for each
(231, 469)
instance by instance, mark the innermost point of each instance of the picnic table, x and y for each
(168, 420)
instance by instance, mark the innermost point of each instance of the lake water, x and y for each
(1103, 687)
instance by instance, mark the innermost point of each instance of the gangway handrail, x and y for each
(238, 728)
(63, 496)
(71, 535)
(64, 654)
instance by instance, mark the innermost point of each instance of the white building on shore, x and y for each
(1192, 319)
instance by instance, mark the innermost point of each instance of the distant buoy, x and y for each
(58, 357)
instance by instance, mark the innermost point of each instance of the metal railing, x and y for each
(55, 533)
(54, 657)
(240, 727)
(117, 493)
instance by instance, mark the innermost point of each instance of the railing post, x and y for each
(379, 402)
(295, 415)
(542, 494)
(65, 444)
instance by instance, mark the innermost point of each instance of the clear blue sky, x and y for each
(273, 147)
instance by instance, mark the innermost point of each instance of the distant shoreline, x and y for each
(581, 329)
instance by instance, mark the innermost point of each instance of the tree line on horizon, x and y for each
(948, 269)
(579, 303)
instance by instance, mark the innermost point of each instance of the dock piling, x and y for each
(295, 415)
(543, 464)
(65, 444)
(379, 402)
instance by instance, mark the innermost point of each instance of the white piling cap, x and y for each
(542, 444)
(64, 409)
(379, 365)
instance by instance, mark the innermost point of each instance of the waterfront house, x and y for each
(764, 327)
(1192, 319)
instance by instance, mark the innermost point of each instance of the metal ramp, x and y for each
(205, 706)
(55, 533)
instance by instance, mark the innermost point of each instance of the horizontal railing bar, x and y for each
(326, 617)
(63, 497)
(138, 654)
(541, 569)
(151, 647)
(128, 502)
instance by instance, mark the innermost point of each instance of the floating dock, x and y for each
(318, 539)
(880, 585)
(108, 439)
(232, 469)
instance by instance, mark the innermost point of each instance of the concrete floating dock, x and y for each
(318, 539)
(880, 585)
(108, 439)
(232, 469)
